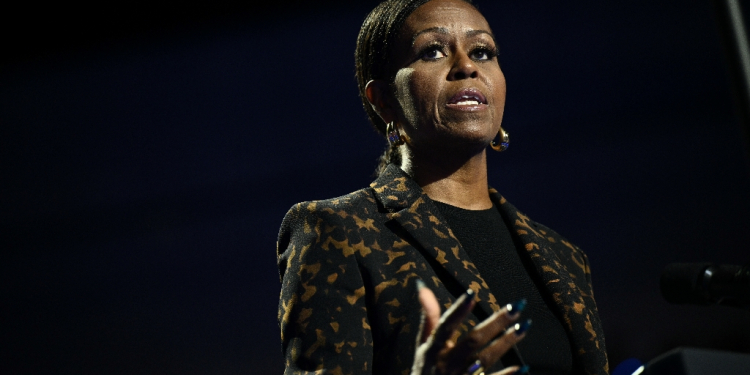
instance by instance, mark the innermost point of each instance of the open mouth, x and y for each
(468, 97)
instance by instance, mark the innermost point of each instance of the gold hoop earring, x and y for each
(394, 137)
(504, 143)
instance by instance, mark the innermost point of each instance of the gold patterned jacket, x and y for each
(348, 267)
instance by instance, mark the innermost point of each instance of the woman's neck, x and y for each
(458, 182)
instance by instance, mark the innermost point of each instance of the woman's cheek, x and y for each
(405, 94)
(425, 90)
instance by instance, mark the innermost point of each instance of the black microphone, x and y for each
(706, 284)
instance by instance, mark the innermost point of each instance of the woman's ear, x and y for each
(379, 95)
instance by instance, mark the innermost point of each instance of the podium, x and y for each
(691, 361)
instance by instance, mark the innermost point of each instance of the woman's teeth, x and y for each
(468, 102)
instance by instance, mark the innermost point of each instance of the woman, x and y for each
(354, 268)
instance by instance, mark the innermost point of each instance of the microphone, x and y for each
(706, 284)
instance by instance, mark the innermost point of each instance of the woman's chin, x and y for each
(460, 147)
(473, 134)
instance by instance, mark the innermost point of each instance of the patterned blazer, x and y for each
(348, 267)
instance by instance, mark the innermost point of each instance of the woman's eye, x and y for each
(482, 54)
(433, 54)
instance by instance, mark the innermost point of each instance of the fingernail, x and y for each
(521, 328)
(467, 297)
(522, 371)
(474, 367)
(420, 285)
(515, 308)
(469, 294)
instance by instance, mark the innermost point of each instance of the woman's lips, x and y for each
(469, 99)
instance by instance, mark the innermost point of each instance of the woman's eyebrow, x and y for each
(440, 30)
(443, 30)
(472, 33)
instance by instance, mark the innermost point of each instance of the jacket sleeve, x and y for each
(322, 309)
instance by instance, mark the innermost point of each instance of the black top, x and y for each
(488, 242)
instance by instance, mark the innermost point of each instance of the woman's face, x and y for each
(449, 84)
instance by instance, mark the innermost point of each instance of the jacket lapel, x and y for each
(535, 241)
(414, 212)
(577, 310)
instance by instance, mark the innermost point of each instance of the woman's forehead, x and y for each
(444, 15)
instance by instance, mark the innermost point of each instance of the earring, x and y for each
(504, 143)
(394, 138)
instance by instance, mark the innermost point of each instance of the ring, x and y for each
(476, 368)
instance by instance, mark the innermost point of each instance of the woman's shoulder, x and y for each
(392, 185)
(355, 203)
(316, 227)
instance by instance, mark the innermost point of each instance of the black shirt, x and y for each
(488, 242)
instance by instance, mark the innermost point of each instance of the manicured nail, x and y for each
(515, 308)
(474, 367)
(521, 328)
(468, 297)
(420, 285)
(522, 371)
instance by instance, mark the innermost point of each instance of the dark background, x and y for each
(149, 153)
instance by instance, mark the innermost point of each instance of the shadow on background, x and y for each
(148, 156)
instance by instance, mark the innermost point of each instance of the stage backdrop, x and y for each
(148, 157)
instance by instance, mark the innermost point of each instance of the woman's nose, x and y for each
(463, 67)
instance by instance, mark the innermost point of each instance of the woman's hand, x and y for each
(436, 352)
